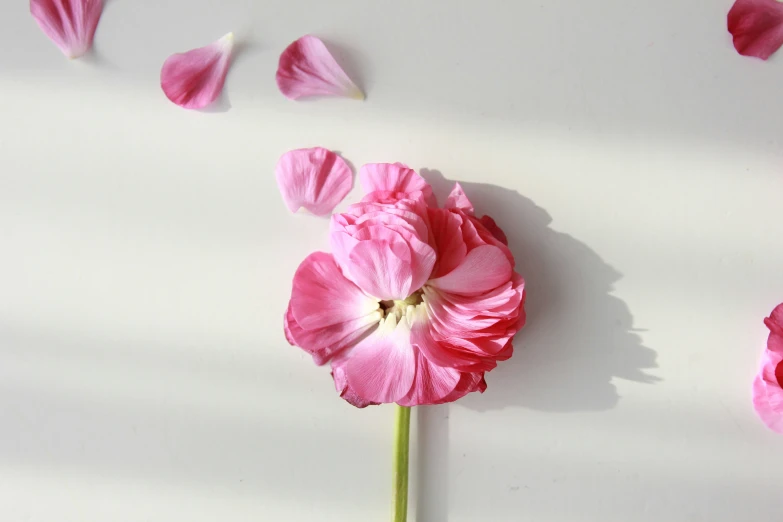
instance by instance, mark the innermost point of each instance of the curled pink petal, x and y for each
(306, 68)
(756, 27)
(70, 24)
(483, 269)
(457, 199)
(316, 179)
(195, 79)
(390, 182)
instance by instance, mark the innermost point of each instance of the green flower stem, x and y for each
(402, 430)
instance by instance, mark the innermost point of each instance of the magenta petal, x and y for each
(70, 24)
(757, 27)
(316, 179)
(195, 79)
(306, 68)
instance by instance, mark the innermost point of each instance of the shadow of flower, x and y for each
(578, 337)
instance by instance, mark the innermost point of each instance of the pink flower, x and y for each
(415, 303)
(768, 385)
(756, 26)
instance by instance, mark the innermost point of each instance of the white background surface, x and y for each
(633, 158)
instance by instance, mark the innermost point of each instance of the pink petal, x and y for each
(324, 343)
(757, 27)
(768, 393)
(448, 240)
(442, 354)
(381, 368)
(483, 269)
(458, 199)
(468, 383)
(382, 267)
(306, 68)
(70, 24)
(389, 264)
(494, 229)
(195, 79)
(342, 386)
(316, 179)
(431, 383)
(323, 297)
(392, 177)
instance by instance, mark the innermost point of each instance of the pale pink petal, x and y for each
(342, 386)
(483, 269)
(382, 267)
(457, 199)
(306, 68)
(392, 177)
(324, 343)
(70, 24)
(195, 79)
(756, 27)
(387, 263)
(316, 179)
(323, 297)
(381, 367)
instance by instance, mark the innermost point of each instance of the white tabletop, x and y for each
(634, 159)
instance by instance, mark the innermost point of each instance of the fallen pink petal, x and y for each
(768, 385)
(423, 301)
(316, 179)
(756, 27)
(195, 79)
(70, 24)
(307, 68)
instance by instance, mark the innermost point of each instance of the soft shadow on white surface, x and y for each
(578, 337)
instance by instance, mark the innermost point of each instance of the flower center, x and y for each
(779, 373)
(399, 307)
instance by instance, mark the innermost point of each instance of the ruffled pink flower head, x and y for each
(768, 385)
(70, 24)
(415, 303)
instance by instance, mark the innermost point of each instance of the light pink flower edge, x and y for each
(768, 385)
